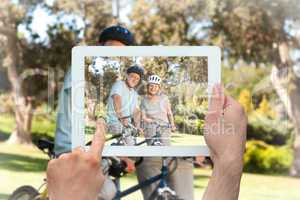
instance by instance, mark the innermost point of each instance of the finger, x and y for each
(78, 150)
(229, 101)
(64, 156)
(217, 99)
(222, 95)
(98, 139)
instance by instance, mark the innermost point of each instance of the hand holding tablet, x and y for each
(226, 151)
(225, 135)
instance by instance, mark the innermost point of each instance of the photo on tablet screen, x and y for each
(164, 106)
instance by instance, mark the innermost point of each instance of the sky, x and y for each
(42, 19)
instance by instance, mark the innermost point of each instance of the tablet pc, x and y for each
(187, 75)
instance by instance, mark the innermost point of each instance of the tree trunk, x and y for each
(23, 117)
(287, 87)
(23, 106)
(90, 103)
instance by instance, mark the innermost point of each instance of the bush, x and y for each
(243, 77)
(263, 158)
(271, 131)
(179, 121)
(190, 119)
(189, 126)
(265, 108)
(245, 99)
(7, 103)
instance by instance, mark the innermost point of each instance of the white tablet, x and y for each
(169, 113)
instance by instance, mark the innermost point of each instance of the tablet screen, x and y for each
(166, 107)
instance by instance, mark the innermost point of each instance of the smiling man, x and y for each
(123, 101)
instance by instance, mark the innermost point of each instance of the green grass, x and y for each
(40, 127)
(178, 139)
(21, 165)
(6, 126)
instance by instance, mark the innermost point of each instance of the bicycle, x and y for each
(116, 169)
(127, 136)
(28, 192)
(156, 139)
(163, 191)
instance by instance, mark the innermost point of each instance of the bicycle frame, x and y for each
(162, 177)
(155, 140)
(44, 194)
(130, 133)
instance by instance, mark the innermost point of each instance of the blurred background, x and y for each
(260, 67)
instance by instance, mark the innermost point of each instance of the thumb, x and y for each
(98, 139)
(217, 100)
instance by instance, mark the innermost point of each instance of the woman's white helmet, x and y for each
(154, 79)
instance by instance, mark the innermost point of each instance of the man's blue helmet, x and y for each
(136, 69)
(118, 33)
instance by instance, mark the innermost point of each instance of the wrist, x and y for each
(230, 166)
(225, 180)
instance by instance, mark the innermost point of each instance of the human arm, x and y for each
(170, 116)
(225, 135)
(117, 102)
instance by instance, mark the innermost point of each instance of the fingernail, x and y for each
(217, 90)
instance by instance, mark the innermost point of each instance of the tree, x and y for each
(37, 57)
(95, 15)
(256, 31)
(30, 61)
(19, 61)
(11, 16)
(166, 22)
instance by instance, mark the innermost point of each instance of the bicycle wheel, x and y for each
(24, 193)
